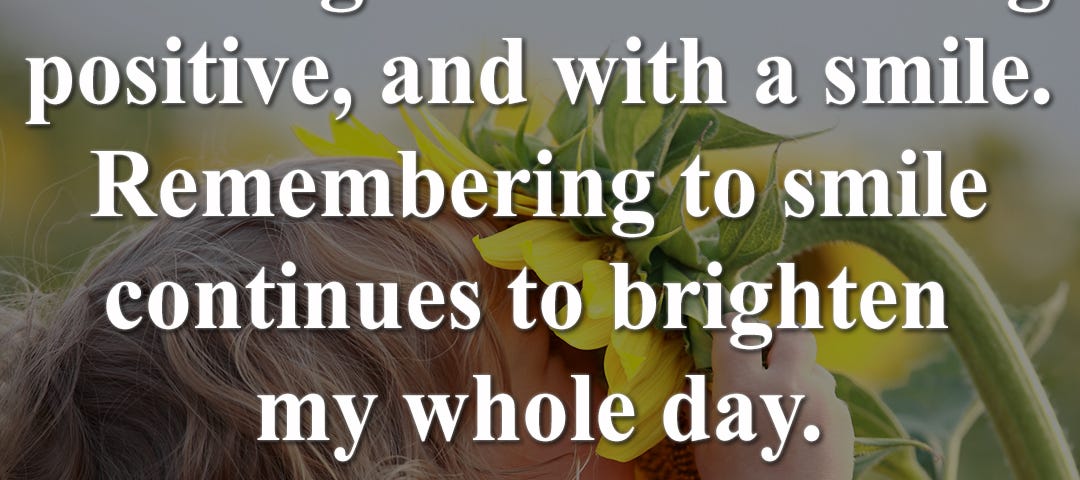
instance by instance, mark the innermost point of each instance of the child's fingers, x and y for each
(793, 349)
(828, 381)
(730, 364)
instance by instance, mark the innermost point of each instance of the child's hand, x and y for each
(792, 370)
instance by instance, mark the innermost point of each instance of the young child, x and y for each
(81, 399)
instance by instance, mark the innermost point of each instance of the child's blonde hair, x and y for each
(80, 399)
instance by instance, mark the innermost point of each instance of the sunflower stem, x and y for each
(985, 339)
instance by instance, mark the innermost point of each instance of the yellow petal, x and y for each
(504, 249)
(632, 349)
(457, 158)
(664, 376)
(648, 432)
(523, 210)
(458, 150)
(349, 138)
(661, 377)
(318, 145)
(613, 371)
(432, 156)
(588, 334)
(358, 138)
(598, 289)
(560, 259)
(638, 358)
(635, 347)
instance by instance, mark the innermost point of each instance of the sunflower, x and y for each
(648, 365)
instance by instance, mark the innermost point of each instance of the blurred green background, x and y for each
(1026, 244)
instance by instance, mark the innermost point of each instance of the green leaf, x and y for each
(627, 128)
(939, 404)
(869, 414)
(933, 402)
(567, 120)
(717, 130)
(498, 146)
(642, 248)
(581, 152)
(744, 240)
(525, 158)
(871, 452)
(686, 246)
(585, 155)
(695, 314)
(505, 156)
(596, 226)
(467, 130)
(872, 419)
(698, 126)
(699, 345)
(732, 133)
(653, 154)
(1036, 324)
(487, 140)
